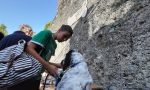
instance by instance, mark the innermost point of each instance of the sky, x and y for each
(35, 13)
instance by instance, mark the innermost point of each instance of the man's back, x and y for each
(13, 39)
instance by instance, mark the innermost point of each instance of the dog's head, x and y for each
(72, 58)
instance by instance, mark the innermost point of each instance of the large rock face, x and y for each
(114, 37)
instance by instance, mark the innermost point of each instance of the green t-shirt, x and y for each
(46, 41)
(48, 44)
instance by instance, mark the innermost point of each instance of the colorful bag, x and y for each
(16, 65)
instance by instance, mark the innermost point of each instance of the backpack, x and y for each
(16, 65)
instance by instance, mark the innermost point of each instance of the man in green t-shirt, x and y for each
(42, 47)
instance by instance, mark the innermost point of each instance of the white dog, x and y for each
(76, 76)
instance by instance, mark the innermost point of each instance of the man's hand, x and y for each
(52, 70)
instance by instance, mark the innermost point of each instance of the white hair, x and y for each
(23, 26)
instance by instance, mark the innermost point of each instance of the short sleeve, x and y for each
(41, 38)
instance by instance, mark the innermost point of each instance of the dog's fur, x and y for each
(77, 77)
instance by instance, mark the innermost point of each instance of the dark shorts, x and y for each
(30, 84)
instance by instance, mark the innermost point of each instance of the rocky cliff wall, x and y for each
(114, 37)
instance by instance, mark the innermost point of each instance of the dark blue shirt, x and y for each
(13, 39)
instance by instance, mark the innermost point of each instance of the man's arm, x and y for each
(30, 48)
(58, 65)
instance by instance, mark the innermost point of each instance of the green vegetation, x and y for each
(48, 25)
(3, 29)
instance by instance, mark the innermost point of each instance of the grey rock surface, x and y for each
(114, 37)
